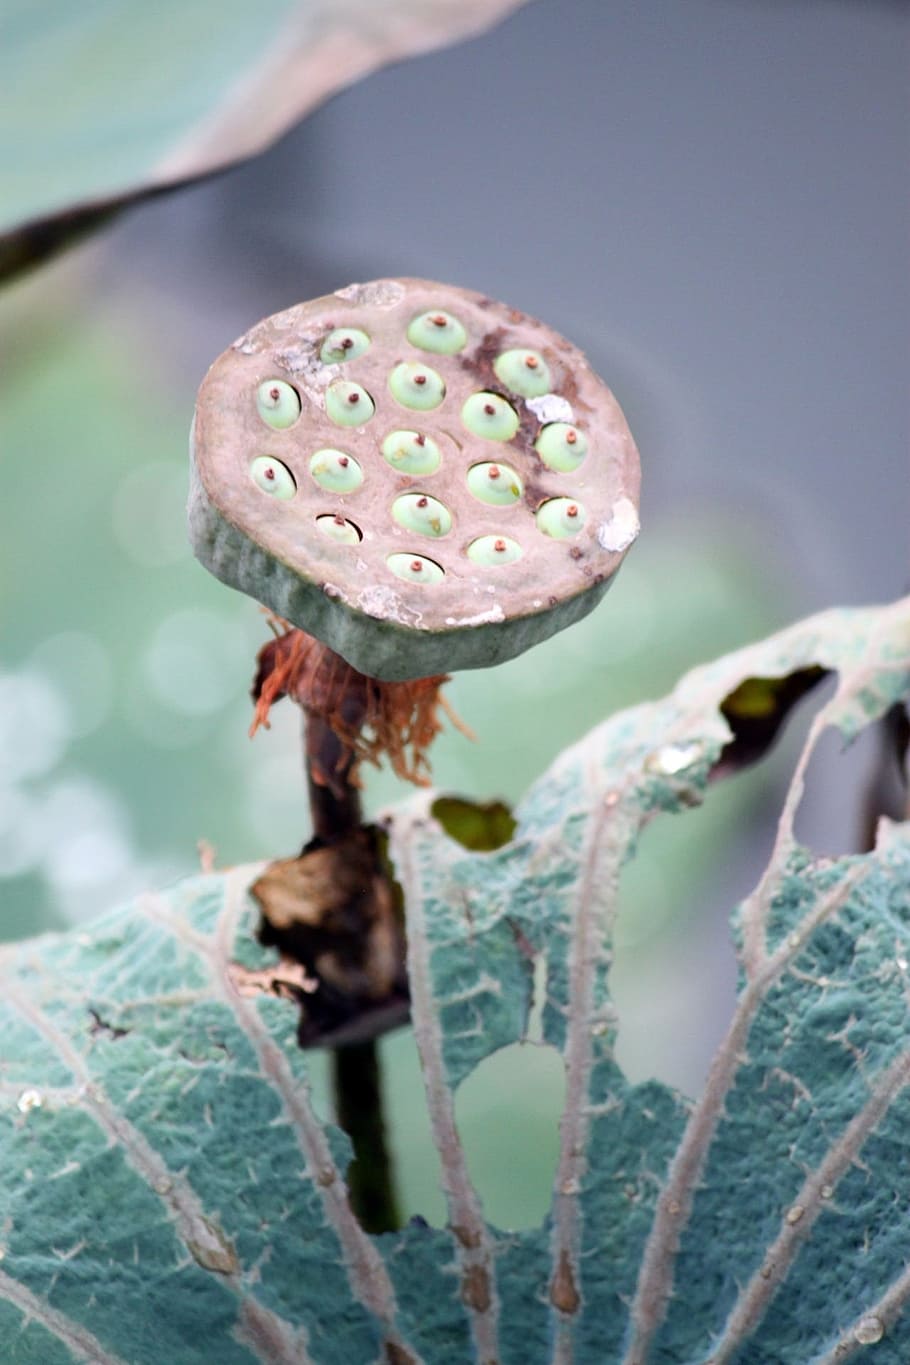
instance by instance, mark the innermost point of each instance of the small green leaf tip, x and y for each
(425, 515)
(561, 447)
(347, 404)
(414, 385)
(273, 477)
(496, 484)
(344, 343)
(415, 568)
(277, 403)
(336, 471)
(524, 372)
(560, 518)
(494, 550)
(489, 415)
(338, 529)
(437, 331)
(411, 452)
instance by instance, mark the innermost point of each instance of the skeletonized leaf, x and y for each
(169, 1193)
(105, 102)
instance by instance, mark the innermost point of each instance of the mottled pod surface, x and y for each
(423, 478)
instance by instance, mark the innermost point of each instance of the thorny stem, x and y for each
(356, 1068)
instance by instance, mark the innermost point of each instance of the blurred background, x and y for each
(711, 198)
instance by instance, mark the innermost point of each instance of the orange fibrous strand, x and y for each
(371, 718)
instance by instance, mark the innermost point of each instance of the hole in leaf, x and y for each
(481, 827)
(508, 1113)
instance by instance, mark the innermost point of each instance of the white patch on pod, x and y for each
(550, 407)
(622, 528)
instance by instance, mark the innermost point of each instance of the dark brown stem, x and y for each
(356, 1072)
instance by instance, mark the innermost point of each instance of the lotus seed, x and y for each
(438, 332)
(344, 343)
(494, 550)
(560, 518)
(347, 404)
(414, 385)
(427, 516)
(561, 447)
(524, 372)
(415, 568)
(336, 528)
(496, 484)
(410, 452)
(336, 471)
(278, 403)
(489, 415)
(273, 477)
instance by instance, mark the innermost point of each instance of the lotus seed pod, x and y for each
(456, 538)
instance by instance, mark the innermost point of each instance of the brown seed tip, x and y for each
(421, 502)
(420, 440)
(274, 394)
(346, 343)
(416, 566)
(353, 397)
(489, 409)
(343, 461)
(339, 521)
(439, 320)
(420, 379)
(572, 510)
(269, 473)
(531, 362)
(499, 546)
(494, 471)
(571, 437)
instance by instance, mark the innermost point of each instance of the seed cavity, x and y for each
(425, 515)
(410, 452)
(336, 471)
(490, 416)
(417, 386)
(560, 518)
(524, 372)
(494, 550)
(277, 403)
(340, 530)
(343, 343)
(561, 447)
(273, 477)
(348, 404)
(495, 484)
(437, 331)
(415, 568)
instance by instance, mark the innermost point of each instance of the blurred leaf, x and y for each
(171, 1194)
(113, 100)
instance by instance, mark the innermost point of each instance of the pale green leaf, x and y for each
(169, 1193)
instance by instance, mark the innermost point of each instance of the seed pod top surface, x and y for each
(421, 477)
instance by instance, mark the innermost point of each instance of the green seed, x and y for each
(411, 452)
(273, 477)
(494, 550)
(347, 404)
(427, 516)
(437, 331)
(560, 518)
(278, 404)
(336, 528)
(415, 569)
(414, 385)
(561, 447)
(486, 414)
(523, 372)
(336, 471)
(496, 484)
(344, 343)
